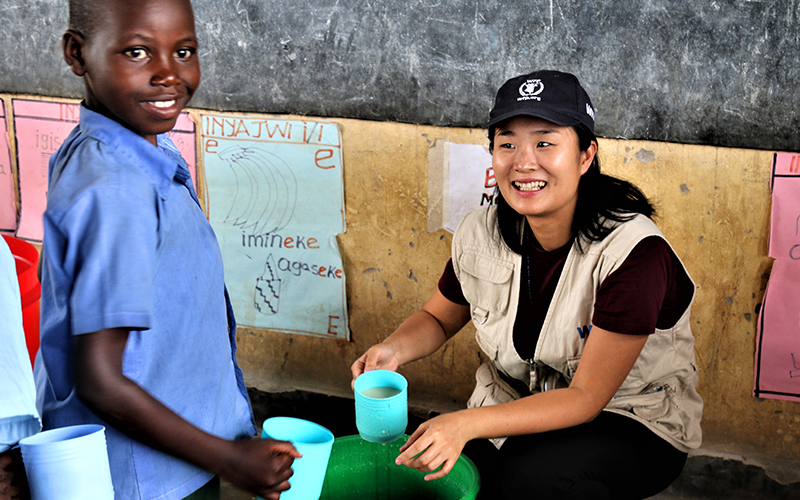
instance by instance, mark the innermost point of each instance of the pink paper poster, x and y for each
(777, 367)
(8, 213)
(40, 128)
(184, 137)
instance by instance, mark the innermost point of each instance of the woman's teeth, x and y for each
(163, 104)
(529, 186)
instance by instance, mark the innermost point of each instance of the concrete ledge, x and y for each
(712, 475)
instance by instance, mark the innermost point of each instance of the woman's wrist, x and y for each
(395, 351)
(474, 424)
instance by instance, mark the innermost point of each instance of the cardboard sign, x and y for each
(276, 203)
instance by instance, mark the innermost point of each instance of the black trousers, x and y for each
(611, 457)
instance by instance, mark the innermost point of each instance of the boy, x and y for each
(137, 330)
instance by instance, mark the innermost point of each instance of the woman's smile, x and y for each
(530, 186)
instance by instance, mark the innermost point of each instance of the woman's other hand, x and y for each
(437, 442)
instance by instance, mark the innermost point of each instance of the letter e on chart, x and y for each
(333, 325)
(322, 155)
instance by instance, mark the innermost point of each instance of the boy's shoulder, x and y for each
(92, 175)
(102, 158)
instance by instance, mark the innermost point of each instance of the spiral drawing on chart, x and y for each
(266, 190)
(268, 289)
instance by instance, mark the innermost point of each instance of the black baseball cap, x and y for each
(550, 95)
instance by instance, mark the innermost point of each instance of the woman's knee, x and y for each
(547, 479)
(523, 475)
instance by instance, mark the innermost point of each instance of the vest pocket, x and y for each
(647, 406)
(654, 404)
(487, 346)
(486, 283)
(490, 389)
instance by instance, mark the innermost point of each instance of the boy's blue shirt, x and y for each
(126, 244)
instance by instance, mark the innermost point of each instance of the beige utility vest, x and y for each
(660, 389)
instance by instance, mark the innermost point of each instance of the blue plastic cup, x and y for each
(68, 463)
(314, 442)
(381, 406)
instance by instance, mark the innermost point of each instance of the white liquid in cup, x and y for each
(381, 392)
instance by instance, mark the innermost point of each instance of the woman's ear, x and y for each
(73, 44)
(587, 157)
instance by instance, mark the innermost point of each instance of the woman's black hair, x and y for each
(601, 198)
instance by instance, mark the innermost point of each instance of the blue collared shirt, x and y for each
(18, 415)
(126, 244)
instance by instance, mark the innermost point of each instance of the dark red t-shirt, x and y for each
(649, 290)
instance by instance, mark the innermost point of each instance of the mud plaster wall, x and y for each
(682, 71)
(714, 208)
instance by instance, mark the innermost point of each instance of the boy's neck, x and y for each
(98, 108)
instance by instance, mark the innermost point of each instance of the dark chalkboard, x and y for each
(720, 72)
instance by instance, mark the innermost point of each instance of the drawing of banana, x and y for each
(266, 190)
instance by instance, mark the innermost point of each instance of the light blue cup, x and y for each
(314, 442)
(381, 406)
(68, 463)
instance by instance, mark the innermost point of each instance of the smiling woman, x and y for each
(581, 307)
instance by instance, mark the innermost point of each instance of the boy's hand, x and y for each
(260, 466)
(13, 481)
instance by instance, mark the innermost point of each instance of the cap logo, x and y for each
(530, 90)
(589, 111)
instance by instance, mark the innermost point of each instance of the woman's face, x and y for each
(538, 165)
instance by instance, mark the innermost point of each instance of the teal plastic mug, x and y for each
(314, 442)
(381, 406)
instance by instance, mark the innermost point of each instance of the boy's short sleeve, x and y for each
(111, 245)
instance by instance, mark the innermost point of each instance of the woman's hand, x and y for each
(437, 442)
(420, 335)
(378, 357)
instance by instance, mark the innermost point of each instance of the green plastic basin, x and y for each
(361, 470)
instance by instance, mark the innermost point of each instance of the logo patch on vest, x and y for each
(584, 330)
